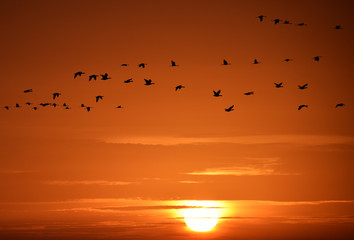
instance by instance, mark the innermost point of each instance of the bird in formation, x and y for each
(78, 74)
(179, 87)
(225, 62)
(93, 76)
(229, 109)
(129, 80)
(142, 65)
(173, 64)
(56, 95)
(248, 93)
(148, 82)
(279, 85)
(99, 98)
(302, 106)
(261, 17)
(217, 94)
(303, 86)
(28, 91)
(340, 105)
(105, 76)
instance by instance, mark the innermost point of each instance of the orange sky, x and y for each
(276, 172)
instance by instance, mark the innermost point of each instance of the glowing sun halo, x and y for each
(201, 219)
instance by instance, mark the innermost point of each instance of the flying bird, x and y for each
(229, 109)
(317, 58)
(279, 85)
(287, 22)
(56, 95)
(173, 64)
(99, 98)
(302, 106)
(225, 62)
(248, 93)
(148, 82)
(88, 108)
(93, 76)
(261, 17)
(288, 59)
(276, 21)
(142, 65)
(6, 107)
(82, 105)
(105, 76)
(340, 105)
(64, 105)
(124, 65)
(28, 103)
(129, 80)
(67, 108)
(179, 87)
(44, 104)
(34, 108)
(338, 27)
(54, 104)
(255, 61)
(302, 24)
(217, 94)
(303, 86)
(27, 91)
(78, 74)
(119, 106)
(18, 105)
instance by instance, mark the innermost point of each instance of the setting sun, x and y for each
(201, 219)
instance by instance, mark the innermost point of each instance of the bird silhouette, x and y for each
(340, 105)
(302, 106)
(99, 98)
(44, 104)
(64, 105)
(279, 85)
(78, 74)
(28, 103)
(229, 109)
(124, 65)
(276, 21)
(56, 95)
(261, 17)
(119, 106)
(105, 76)
(338, 27)
(173, 64)
(317, 58)
(303, 86)
(7, 107)
(129, 80)
(67, 107)
(225, 62)
(18, 105)
(255, 61)
(148, 82)
(35, 108)
(28, 91)
(93, 76)
(288, 59)
(287, 22)
(302, 24)
(248, 93)
(88, 108)
(82, 105)
(217, 94)
(142, 65)
(179, 87)
(54, 104)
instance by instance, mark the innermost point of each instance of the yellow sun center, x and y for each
(201, 219)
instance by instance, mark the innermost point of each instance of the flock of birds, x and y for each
(148, 82)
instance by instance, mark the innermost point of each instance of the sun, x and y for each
(201, 219)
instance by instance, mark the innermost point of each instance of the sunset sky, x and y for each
(269, 170)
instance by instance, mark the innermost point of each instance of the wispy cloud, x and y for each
(97, 182)
(251, 167)
(256, 139)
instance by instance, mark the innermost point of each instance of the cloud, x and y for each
(254, 167)
(256, 139)
(97, 182)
